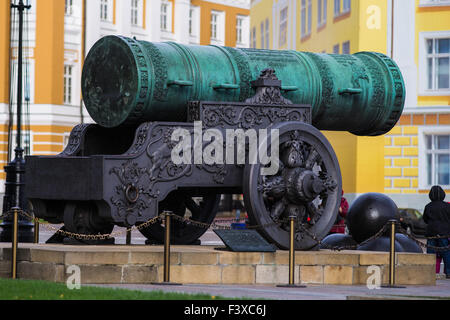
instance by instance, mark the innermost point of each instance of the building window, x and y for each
(438, 64)
(214, 25)
(242, 30)
(347, 6)
(267, 34)
(68, 80)
(336, 49)
(337, 7)
(165, 17)
(106, 10)
(438, 159)
(322, 13)
(217, 27)
(253, 36)
(283, 27)
(191, 21)
(309, 16)
(263, 33)
(346, 47)
(136, 13)
(68, 10)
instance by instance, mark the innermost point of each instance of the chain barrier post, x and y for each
(36, 230)
(128, 239)
(392, 258)
(167, 225)
(14, 243)
(292, 220)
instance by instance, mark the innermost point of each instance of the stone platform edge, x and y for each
(205, 265)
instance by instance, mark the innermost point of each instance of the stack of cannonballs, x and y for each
(368, 214)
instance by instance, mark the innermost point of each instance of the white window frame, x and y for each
(283, 34)
(166, 16)
(68, 8)
(137, 13)
(267, 33)
(242, 24)
(68, 85)
(194, 25)
(423, 174)
(218, 17)
(106, 10)
(423, 63)
(321, 13)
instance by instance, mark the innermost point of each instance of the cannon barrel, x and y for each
(127, 82)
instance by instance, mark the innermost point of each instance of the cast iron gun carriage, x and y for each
(121, 170)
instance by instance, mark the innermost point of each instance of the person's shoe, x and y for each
(448, 276)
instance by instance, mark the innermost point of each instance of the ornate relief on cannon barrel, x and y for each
(265, 108)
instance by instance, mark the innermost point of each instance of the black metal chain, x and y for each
(216, 226)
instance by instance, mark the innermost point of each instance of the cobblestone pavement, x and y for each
(311, 292)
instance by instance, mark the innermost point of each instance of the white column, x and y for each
(154, 19)
(92, 23)
(404, 47)
(182, 8)
(123, 17)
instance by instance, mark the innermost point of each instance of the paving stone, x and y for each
(199, 258)
(416, 259)
(338, 275)
(100, 274)
(414, 275)
(244, 274)
(47, 256)
(40, 271)
(139, 274)
(201, 274)
(102, 258)
(153, 258)
(311, 274)
(23, 254)
(240, 258)
(274, 274)
(373, 258)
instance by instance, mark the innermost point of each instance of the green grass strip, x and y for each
(43, 290)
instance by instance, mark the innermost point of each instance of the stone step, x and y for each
(205, 265)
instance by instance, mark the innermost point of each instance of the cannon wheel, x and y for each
(202, 209)
(82, 218)
(307, 185)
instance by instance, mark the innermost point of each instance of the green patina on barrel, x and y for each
(126, 82)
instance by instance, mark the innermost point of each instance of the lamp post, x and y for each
(15, 170)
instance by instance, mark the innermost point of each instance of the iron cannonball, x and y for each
(368, 214)
(408, 244)
(337, 240)
(382, 243)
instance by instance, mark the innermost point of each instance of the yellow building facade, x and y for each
(415, 155)
(60, 33)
